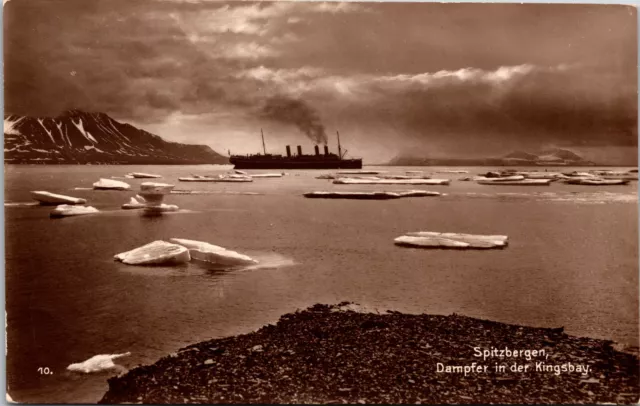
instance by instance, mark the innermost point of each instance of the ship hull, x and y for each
(296, 164)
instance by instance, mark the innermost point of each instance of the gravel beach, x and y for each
(340, 354)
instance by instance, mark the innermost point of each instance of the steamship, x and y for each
(327, 160)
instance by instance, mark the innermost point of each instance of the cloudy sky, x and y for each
(463, 80)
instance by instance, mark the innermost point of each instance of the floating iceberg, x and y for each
(597, 181)
(66, 210)
(427, 239)
(369, 195)
(156, 253)
(160, 208)
(216, 179)
(97, 363)
(354, 181)
(500, 179)
(206, 252)
(522, 182)
(46, 198)
(110, 184)
(137, 202)
(140, 175)
(267, 175)
(452, 171)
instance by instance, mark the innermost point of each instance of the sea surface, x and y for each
(572, 261)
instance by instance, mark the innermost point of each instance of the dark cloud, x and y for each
(419, 76)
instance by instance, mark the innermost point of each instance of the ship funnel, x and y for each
(299, 150)
(326, 150)
(288, 151)
(317, 150)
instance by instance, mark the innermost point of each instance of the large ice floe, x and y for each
(66, 210)
(428, 239)
(141, 175)
(52, 199)
(203, 251)
(370, 195)
(110, 184)
(180, 251)
(155, 253)
(380, 181)
(97, 363)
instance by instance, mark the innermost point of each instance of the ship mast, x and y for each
(263, 146)
(339, 147)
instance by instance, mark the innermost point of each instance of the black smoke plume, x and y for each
(294, 111)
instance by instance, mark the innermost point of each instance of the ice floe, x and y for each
(97, 363)
(379, 181)
(428, 239)
(141, 175)
(47, 198)
(229, 178)
(369, 195)
(597, 181)
(155, 253)
(267, 175)
(203, 251)
(499, 179)
(521, 182)
(110, 184)
(66, 210)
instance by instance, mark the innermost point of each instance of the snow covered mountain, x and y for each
(77, 137)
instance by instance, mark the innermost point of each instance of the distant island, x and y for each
(77, 137)
(552, 157)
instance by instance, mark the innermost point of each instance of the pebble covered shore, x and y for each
(338, 354)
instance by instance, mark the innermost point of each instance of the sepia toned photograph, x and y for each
(310, 202)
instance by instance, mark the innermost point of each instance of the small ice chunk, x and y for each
(240, 172)
(161, 208)
(66, 210)
(47, 198)
(267, 175)
(155, 253)
(141, 175)
(135, 203)
(110, 184)
(97, 363)
(427, 239)
(206, 252)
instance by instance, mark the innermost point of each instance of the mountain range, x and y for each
(551, 157)
(77, 137)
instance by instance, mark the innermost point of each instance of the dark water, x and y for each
(572, 261)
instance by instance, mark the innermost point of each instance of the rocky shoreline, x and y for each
(339, 354)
